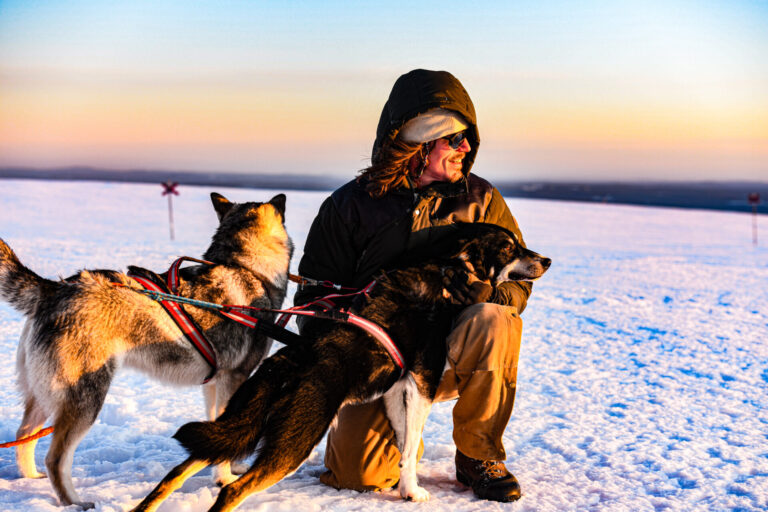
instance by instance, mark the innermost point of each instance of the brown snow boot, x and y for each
(489, 479)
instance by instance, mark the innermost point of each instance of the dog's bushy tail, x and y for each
(236, 433)
(21, 287)
(219, 441)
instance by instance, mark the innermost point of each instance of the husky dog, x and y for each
(80, 330)
(285, 408)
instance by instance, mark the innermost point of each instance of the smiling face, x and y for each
(444, 163)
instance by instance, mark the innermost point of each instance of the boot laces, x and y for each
(493, 469)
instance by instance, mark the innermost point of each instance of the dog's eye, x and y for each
(507, 248)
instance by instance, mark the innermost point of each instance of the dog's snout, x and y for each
(546, 262)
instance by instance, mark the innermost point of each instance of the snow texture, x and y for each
(643, 379)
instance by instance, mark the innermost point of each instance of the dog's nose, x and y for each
(546, 262)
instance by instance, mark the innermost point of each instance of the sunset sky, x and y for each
(563, 90)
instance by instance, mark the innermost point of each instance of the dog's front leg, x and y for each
(408, 409)
(209, 396)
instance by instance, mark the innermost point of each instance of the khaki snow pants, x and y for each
(483, 351)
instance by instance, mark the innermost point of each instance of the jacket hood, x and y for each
(418, 91)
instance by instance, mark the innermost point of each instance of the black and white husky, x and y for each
(80, 330)
(285, 408)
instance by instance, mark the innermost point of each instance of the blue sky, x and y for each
(594, 90)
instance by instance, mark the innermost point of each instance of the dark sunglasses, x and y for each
(456, 140)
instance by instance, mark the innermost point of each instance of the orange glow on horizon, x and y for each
(171, 117)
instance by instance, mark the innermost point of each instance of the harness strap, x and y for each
(273, 331)
(173, 278)
(173, 272)
(172, 305)
(324, 302)
(371, 328)
(42, 433)
(381, 335)
(188, 327)
(330, 313)
(308, 281)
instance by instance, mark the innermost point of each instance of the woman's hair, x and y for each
(389, 168)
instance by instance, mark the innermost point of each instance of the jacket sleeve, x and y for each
(329, 253)
(511, 293)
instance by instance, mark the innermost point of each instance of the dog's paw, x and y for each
(35, 474)
(415, 494)
(86, 505)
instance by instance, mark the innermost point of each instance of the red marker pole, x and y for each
(754, 199)
(169, 189)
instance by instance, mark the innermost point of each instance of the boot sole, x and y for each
(464, 480)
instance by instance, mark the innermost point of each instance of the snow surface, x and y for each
(643, 380)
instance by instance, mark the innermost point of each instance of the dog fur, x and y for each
(283, 411)
(81, 330)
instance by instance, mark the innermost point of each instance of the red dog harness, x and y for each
(328, 311)
(166, 294)
(188, 326)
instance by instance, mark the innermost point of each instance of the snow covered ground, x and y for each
(643, 379)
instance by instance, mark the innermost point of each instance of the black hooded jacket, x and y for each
(355, 235)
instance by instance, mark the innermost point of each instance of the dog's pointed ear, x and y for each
(279, 202)
(221, 204)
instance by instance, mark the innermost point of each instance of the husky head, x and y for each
(493, 253)
(223, 206)
(253, 234)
